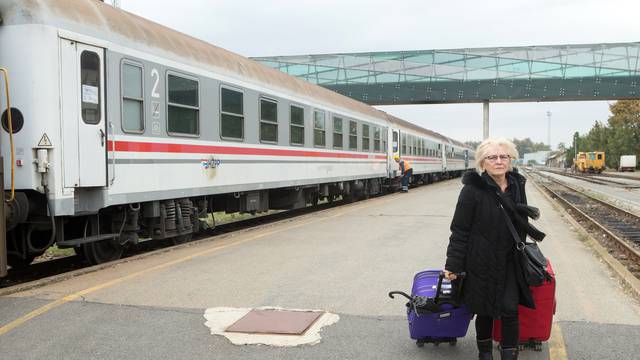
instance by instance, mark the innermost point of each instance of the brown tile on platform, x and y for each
(273, 321)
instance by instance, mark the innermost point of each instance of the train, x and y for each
(123, 130)
(592, 162)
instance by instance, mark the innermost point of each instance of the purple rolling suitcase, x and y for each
(433, 309)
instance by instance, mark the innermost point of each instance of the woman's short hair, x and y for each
(483, 149)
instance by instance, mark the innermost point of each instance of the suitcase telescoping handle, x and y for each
(459, 276)
(399, 293)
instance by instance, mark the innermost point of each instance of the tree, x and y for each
(526, 146)
(619, 136)
(562, 147)
(624, 135)
(571, 152)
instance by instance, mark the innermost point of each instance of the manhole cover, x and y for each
(275, 322)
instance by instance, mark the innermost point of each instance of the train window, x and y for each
(268, 120)
(90, 83)
(384, 140)
(296, 125)
(337, 133)
(353, 135)
(132, 99)
(404, 144)
(319, 133)
(365, 137)
(376, 139)
(183, 105)
(231, 114)
(412, 145)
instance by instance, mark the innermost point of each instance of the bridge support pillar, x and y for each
(485, 120)
(3, 232)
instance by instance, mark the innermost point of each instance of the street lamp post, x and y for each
(549, 128)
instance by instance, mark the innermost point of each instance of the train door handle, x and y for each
(102, 137)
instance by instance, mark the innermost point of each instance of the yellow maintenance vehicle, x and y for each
(592, 162)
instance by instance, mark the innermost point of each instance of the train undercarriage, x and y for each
(104, 236)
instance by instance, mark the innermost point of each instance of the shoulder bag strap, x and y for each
(519, 243)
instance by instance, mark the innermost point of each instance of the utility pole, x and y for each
(575, 147)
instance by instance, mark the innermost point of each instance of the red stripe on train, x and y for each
(136, 146)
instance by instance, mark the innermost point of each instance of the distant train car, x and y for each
(127, 131)
(592, 162)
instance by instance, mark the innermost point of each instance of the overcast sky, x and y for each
(279, 27)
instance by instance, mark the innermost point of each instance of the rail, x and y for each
(621, 235)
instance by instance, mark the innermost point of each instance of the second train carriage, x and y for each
(129, 130)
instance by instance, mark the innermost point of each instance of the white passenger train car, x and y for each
(127, 130)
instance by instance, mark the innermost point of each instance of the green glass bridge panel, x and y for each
(536, 73)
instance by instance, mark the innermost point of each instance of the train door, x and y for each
(395, 151)
(83, 114)
(466, 159)
(443, 155)
(396, 142)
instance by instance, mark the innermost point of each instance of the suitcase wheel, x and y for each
(436, 341)
(532, 344)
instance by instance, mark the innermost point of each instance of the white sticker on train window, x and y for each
(90, 94)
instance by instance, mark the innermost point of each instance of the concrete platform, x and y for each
(343, 260)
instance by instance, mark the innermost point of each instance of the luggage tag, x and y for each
(445, 289)
(444, 315)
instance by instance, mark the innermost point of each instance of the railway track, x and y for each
(598, 179)
(616, 229)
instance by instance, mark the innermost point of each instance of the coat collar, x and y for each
(477, 180)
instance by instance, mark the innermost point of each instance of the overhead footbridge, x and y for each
(500, 74)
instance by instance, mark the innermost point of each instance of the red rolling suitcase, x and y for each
(535, 324)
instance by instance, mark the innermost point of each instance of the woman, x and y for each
(482, 245)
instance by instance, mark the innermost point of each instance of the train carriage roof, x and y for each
(403, 123)
(102, 21)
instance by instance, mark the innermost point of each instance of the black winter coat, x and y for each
(482, 246)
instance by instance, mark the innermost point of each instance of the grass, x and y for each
(224, 218)
(54, 253)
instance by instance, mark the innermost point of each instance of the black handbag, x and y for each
(532, 261)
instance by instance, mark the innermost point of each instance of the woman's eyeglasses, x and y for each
(494, 158)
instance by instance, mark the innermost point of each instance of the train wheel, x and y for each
(79, 250)
(18, 262)
(99, 252)
(181, 239)
(315, 199)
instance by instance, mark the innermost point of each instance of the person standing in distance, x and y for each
(405, 170)
(482, 245)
